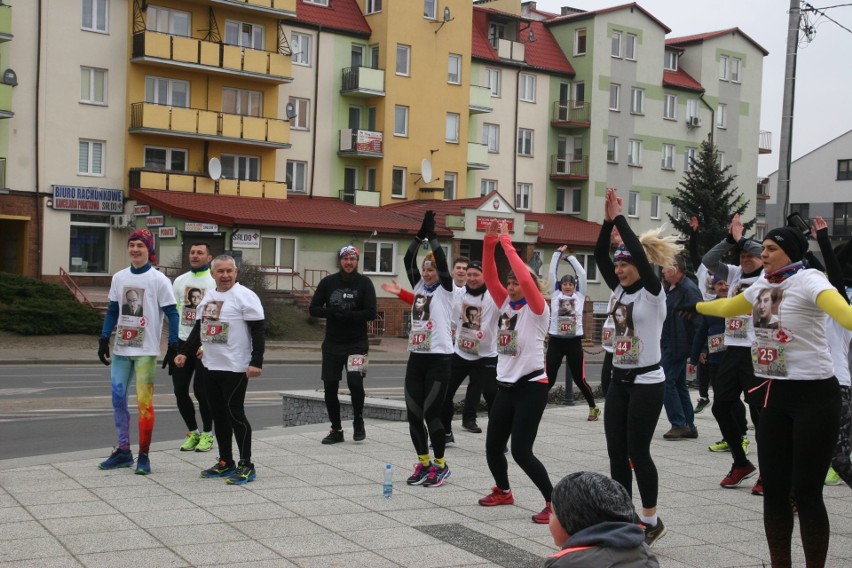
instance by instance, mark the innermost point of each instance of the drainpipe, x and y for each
(314, 129)
(712, 118)
(37, 194)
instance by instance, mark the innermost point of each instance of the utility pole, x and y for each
(785, 152)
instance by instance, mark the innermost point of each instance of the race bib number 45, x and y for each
(736, 328)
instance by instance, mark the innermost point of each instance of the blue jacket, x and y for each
(605, 545)
(678, 330)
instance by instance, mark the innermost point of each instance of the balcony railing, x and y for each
(182, 51)
(571, 114)
(569, 166)
(477, 156)
(194, 182)
(360, 143)
(480, 100)
(764, 144)
(278, 8)
(513, 50)
(360, 197)
(363, 82)
(209, 125)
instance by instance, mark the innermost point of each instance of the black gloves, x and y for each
(687, 310)
(427, 228)
(169, 359)
(103, 350)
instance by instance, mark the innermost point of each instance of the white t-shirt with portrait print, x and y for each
(477, 339)
(637, 342)
(431, 321)
(225, 334)
(739, 330)
(140, 323)
(566, 314)
(182, 286)
(520, 342)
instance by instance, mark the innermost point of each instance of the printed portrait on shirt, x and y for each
(420, 310)
(709, 285)
(471, 317)
(132, 302)
(739, 288)
(765, 314)
(566, 307)
(507, 322)
(212, 310)
(192, 297)
(622, 318)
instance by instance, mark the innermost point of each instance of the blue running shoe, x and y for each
(245, 472)
(221, 469)
(143, 464)
(118, 458)
(419, 475)
(437, 476)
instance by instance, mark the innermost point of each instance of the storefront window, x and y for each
(89, 244)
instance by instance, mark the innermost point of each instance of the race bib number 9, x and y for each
(130, 336)
(214, 332)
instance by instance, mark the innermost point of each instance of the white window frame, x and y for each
(297, 172)
(496, 32)
(526, 141)
(98, 13)
(450, 185)
(491, 137)
(451, 131)
(256, 34)
(376, 248)
(668, 157)
(614, 97)
(523, 196)
(670, 107)
(569, 195)
(722, 115)
(403, 60)
(317, 2)
(86, 150)
(168, 158)
(724, 67)
(242, 166)
(670, 60)
(633, 204)
(278, 240)
(577, 34)
(244, 98)
(430, 9)
(486, 186)
(612, 149)
(637, 100)
(526, 90)
(398, 174)
(302, 120)
(88, 82)
(689, 157)
(400, 129)
(372, 7)
(631, 47)
(301, 46)
(156, 14)
(579, 88)
(691, 108)
(454, 69)
(720, 159)
(634, 153)
(656, 206)
(170, 90)
(492, 80)
(615, 44)
(736, 67)
(587, 260)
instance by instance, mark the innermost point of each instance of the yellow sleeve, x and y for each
(725, 307)
(835, 305)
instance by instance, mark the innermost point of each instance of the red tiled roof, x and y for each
(699, 38)
(680, 79)
(544, 53)
(340, 15)
(557, 229)
(593, 13)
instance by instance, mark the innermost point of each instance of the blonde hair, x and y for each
(660, 250)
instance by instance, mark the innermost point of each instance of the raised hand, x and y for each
(817, 224)
(737, 228)
(492, 229)
(612, 205)
(392, 287)
(693, 223)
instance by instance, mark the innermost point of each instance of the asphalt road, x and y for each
(47, 409)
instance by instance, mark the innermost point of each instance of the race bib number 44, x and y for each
(625, 351)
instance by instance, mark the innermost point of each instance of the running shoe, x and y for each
(745, 444)
(359, 433)
(191, 442)
(205, 442)
(221, 469)
(720, 446)
(758, 486)
(497, 497)
(471, 426)
(419, 475)
(832, 478)
(701, 405)
(436, 476)
(334, 437)
(655, 533)
(449, 440)
(543, 516)
(737, 475)
(143, 464)
(594, 414)
(244, 473)
(118, 458)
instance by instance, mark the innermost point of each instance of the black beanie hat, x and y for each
(586, 498)
(792, 241)
(475, 264)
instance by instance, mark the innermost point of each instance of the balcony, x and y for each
(149, 118)
(360, 144)
(480, 100)
(193, 53)
(764, 143)
(363, 82)
(569, 167)
(571, 114)
(276, 8)
(763, 189)
(360, 197)
(6, 101)
(511, 50)
(477, 156)
(189, 182)
(5, 23)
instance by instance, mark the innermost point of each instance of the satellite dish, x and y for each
(291, 111)
(214, 168)
(447, 15)
(426, 170)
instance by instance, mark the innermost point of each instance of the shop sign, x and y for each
(168, 232)
(90, 199)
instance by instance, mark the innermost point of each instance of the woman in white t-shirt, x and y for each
(800, 418)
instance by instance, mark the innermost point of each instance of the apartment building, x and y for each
(15, 211)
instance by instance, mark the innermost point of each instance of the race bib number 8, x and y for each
(214, 332)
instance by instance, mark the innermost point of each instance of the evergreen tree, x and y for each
(708, 193)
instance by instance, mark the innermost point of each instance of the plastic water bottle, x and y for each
(387, 487)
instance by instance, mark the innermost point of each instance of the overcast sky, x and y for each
(823, 110)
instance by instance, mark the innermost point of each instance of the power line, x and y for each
(830, 7)
(810, 8)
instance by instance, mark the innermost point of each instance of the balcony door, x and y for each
(355, 118)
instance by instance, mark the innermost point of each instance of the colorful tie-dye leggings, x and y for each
(124, 369)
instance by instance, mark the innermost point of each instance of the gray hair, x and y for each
(223, 258)
(585, 498)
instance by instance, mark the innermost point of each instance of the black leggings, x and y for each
(572, 348)
(483, 382)
(630, 418)
(738, 409)
(332, 365)
(840, 460)
(733, 378)
(606, 372)
(425, 388)
(517, 413)
(181, 377)
(227, 395)
(703, 376)
(797, 436)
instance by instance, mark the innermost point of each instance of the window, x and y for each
(242, 101)
(373, 6)
(720, 159)
(630, 47)
(95, 15)
(486, 186)
(667, 162)
(722, 115)
(168, 21)
(637, 100)
(580, 42)
(317, 2)
(374, 56)
(634, 153)
(844, 169)
(656, 202)
(492, 77)
(93, 85)
(670, 107)
(370, 179)
(568, 199)
(523, 196)
(735, 69)
(89, 244)
(496, 32)
(527, 87)
(243, 34)
(302, 120)
(450, 185)
(588, 262)
(165, 159)
(525, 142)
(90, 160)
(615, 48)
(300, 44)
(633, 204)
(400, 121)
(491, 137)
(378, 258)
(297, 175)
(162, 91)
(356, 56)
(670, 61)
(689, 157)
(454, 69)
(691, 108)
(614, 96)
(278, 253)
(452, 128)
(398, 182)
(612, 149)
(403, 60)
(240, 167)
(579, 94)
(723, 67)
(430, 9)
